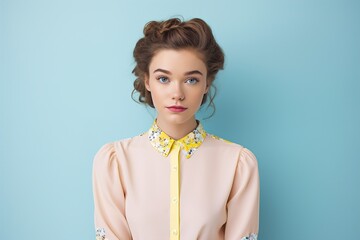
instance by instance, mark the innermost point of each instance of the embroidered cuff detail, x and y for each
(100, 234)
(252, 236)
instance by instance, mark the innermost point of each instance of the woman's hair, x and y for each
(176, 34)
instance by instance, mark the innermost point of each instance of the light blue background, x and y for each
(289, 92)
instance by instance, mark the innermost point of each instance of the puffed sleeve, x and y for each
(109, 200)
(243, 204)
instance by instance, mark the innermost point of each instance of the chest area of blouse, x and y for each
(204, 187)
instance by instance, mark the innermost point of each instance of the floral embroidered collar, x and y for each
(163, 142)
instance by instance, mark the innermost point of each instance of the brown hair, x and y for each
(176, 34)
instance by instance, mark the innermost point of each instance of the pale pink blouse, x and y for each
(217, 182)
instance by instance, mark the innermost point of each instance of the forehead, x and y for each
(177, 61)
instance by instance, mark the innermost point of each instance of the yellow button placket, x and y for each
(175, 192)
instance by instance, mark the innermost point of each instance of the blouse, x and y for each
(152, 187)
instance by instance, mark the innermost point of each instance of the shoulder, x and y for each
(223, 144)
(105, 156)
(108, 153)
(245, 155)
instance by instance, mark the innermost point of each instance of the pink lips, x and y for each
(176, 108)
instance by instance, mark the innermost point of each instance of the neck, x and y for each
(177, 131)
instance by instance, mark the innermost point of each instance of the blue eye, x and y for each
(163, 79)
(192, 81)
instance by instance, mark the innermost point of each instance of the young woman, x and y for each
(176, 181)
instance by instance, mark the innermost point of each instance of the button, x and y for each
(174, 200)
(175, 232)
(174, 168)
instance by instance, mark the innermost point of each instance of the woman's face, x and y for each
(177, 82)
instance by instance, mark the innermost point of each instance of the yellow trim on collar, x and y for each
(163, 142)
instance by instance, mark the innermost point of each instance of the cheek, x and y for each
(198, 96)
(156, 96)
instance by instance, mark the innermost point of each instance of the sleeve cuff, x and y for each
(252, 236)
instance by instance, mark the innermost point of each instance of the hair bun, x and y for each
(170, 24)
(151, 27)
(158, 28)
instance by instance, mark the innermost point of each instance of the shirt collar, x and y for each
(163, 142)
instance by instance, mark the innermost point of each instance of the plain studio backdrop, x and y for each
(289, 92)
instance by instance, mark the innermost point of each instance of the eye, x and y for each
(162, 79)
(192, 81)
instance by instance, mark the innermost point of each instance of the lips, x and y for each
(176, 108)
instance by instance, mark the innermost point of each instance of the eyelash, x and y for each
(162, 77)
(196, 80)
(190, 79)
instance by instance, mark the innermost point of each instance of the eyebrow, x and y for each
(187, 73)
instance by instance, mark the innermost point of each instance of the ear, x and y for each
(207, 88)
(147, 84)
(208, 85)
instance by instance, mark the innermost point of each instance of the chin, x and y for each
(178, 119)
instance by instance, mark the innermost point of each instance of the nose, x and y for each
(177, 92)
